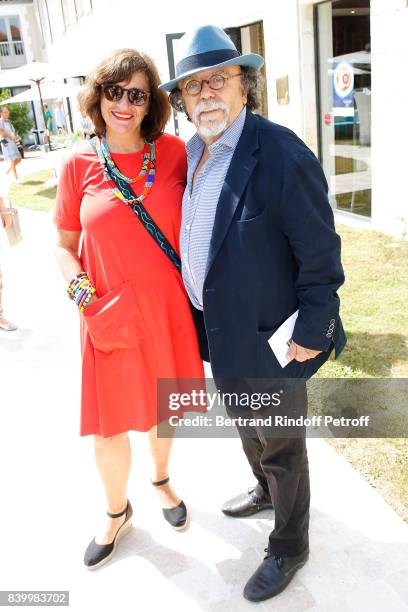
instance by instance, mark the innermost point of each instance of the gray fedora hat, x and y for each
(208, 47)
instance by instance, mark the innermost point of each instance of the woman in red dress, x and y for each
(136, 322)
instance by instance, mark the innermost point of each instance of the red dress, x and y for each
(141, 328)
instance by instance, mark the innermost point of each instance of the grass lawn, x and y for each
(32, 193)
(375, 315)
(374, 308)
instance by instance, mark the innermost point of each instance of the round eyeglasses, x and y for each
(114, 93)
(216, 81)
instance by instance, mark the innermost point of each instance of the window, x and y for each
(11, 43)
(3, 31)
(15, 28)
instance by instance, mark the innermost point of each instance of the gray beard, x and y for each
(211, 128)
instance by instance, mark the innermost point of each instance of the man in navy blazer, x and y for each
(257, 244)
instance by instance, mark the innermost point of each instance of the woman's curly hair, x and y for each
(118, 67)
(252, 81)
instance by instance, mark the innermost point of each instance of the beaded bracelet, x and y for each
(85, 299)
(80, 290)
(75, 283)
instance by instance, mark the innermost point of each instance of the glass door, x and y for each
(344, 84)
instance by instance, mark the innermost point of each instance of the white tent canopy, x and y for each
(41, 71)
(49, 91)
(29, 73)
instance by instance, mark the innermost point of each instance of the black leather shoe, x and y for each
(97, 554)
(247, 504)
(177, 516)
(273, 576)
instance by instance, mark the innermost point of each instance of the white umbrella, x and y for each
(49, 91)
(33, 72)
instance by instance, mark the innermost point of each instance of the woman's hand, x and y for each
(92, 300)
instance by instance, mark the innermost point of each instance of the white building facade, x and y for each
(335, 74)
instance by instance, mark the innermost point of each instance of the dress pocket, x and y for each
(114, 320)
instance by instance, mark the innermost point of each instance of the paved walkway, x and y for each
(34, 161)
(52, 497)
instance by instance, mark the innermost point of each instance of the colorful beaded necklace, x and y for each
(119, 186)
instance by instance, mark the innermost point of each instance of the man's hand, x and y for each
(300, 353)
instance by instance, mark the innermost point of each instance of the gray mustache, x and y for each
(210, 105)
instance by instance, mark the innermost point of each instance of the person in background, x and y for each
(60, 117)
(8, 142)
(5, 219)
(87, 127)
(48, 119)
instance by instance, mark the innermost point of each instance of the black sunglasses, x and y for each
(114, 93)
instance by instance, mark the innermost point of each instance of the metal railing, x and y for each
(8, 49)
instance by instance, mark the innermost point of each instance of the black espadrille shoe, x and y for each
(97, 554)
(177, 516)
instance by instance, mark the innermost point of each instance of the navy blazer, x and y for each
(273, 250)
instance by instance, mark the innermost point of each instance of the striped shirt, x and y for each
(200, 204)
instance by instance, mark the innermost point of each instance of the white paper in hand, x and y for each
(279, 340)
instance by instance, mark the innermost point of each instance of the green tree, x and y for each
(19, 114)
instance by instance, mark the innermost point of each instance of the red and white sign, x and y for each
(343, 79)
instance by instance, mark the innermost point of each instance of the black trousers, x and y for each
(281, 468)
